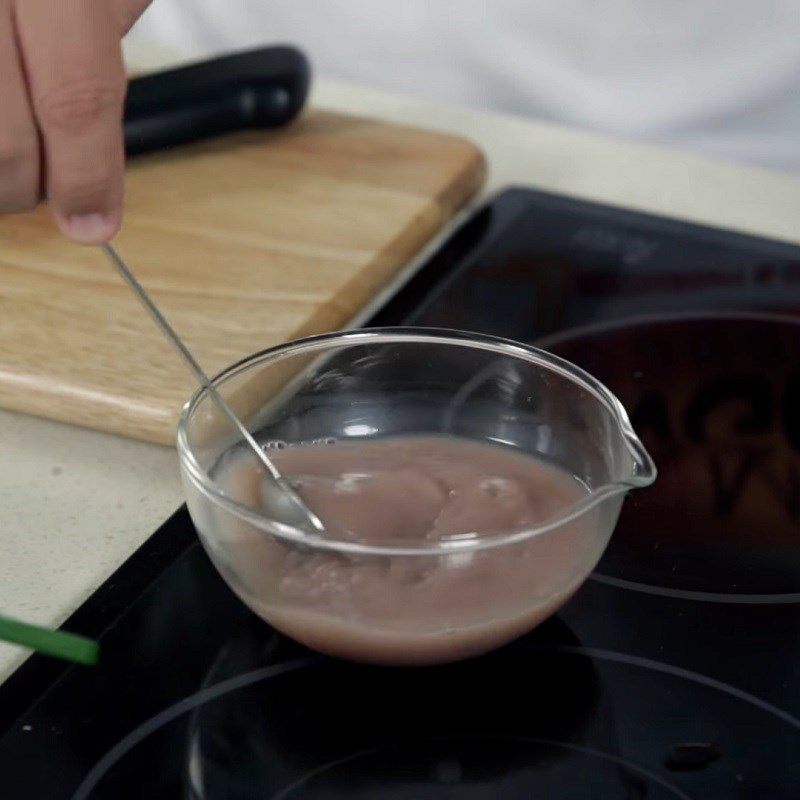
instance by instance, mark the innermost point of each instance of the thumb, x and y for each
(128, 11)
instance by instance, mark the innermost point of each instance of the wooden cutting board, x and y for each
(244, 242)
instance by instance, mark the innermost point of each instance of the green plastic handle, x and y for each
(60, 644)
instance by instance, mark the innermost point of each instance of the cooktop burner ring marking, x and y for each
(657, 317)
(680, 672)
(98, 771)
(142, 731)
(284, 794)
(707, 597)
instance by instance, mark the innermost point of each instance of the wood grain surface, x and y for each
(244, 242)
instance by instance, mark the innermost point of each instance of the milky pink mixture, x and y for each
(410, 492)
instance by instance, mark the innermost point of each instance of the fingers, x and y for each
(72, 57)
(19, 145)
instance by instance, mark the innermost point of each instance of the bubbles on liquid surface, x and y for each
(280, 444)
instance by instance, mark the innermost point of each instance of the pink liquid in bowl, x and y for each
(409, 492)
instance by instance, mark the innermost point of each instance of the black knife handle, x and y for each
(261, 88)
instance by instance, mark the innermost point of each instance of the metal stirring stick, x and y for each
(276, 491)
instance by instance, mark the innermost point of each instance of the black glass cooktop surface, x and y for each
(673, 673)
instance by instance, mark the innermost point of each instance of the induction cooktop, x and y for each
(673, 673)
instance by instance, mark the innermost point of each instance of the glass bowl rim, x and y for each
(643, 471)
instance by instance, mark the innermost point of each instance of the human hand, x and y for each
(62, 88)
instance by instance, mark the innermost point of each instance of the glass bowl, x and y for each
(387, 602)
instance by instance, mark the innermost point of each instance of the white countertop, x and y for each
(75, 503)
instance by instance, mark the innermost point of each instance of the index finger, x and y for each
(72, 55)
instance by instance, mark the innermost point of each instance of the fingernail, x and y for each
(89, 228)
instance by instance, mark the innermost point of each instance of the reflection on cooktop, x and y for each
(717, 402)
(546, 264)
(464, 767)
